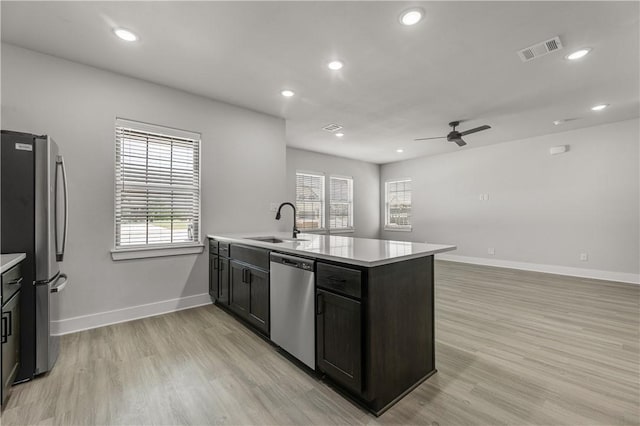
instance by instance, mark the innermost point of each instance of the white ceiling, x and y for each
(398, 83)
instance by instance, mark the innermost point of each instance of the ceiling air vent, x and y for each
(332, 127)
(540, 49)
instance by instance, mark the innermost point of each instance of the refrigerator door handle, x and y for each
(60, 251)
(59, 287)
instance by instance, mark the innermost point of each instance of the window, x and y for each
(310, 201)
(398, 205)
(157, 196)
(341, 203)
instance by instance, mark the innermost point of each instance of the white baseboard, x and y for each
(100, 319)
(550, 269)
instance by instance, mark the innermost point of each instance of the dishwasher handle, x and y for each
(293, 261)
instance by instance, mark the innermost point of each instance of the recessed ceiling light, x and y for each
(578, 54)
(339, 134)
(558, 122)
(399, 150)
(287, 93)
(599, 107)
(125, 35)
(411, 16)
(335, 65)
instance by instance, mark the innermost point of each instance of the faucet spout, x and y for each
(295, 229)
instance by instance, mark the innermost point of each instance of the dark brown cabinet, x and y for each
(249, 294)
(214, 278)
(10, 329)
(339, 338)
(239, 289)
(219, 271)
(223, 280)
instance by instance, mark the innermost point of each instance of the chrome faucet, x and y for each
(295, 229)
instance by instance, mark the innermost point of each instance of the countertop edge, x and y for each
(14, 260)
(368, 264)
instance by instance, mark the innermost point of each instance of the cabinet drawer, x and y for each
(252, 255)
(213, 246)
(345, 281)
(11, 281)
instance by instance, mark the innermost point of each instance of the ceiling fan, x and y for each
(455, 136)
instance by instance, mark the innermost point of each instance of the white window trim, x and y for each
(348, 229)
(141, 252)
(387, 226)
(398, 228)
(147, 252)
(323, 228)
(342, 230)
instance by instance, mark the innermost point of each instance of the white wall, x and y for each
(243, 170)
(542, 209)
(366, 181)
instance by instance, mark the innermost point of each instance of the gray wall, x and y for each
(243, 170)
(542, 209)
(366, 181)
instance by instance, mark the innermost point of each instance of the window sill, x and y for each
(313, 231)
(407, 229)
(342, 231)
(144, 252)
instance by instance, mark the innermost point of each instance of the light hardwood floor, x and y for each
(513, 347)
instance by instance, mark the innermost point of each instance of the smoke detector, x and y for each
(332, 127)
(540, 49)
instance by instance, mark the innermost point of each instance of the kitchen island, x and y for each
(373, 303)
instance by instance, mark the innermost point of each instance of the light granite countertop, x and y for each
(356, 251)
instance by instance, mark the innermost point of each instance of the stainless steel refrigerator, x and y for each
(34, 220)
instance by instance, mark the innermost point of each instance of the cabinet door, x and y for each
(339, 339)
(10, 344)
(259, 299)
(214, 276)
(239, 288)
(223, 280)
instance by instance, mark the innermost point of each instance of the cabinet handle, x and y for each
(215, 263)
(10, 326)
(336, 279)
(319, 304)
(221, 265)
(4, 329)
(14, 282)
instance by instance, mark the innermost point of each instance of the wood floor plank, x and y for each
(512, 348)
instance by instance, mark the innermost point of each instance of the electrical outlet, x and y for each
(273, 207)
(481, 197)
(486, 197)
(584, 257)
(491, 251)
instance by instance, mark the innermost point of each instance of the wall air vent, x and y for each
(332, 127)
(540, 49)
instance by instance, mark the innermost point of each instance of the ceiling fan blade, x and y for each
(459, 142)
(426, 139)
(477, 129)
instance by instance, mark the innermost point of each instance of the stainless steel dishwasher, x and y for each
(293, 306)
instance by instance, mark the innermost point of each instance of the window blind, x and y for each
(398, 209)
(340, 203)
(310, 201)
(157, 197)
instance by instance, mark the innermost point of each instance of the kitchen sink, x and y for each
(275, 240)
(266, 239)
